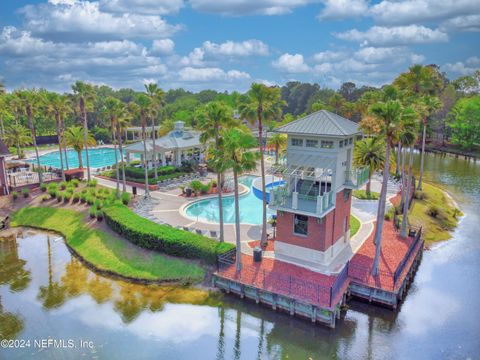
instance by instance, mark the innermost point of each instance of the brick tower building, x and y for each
(313, 208)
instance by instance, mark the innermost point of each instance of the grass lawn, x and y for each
(104, 251)
(362, 195)
(354, 225)
(436, 213)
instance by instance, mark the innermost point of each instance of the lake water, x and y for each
(44, 292)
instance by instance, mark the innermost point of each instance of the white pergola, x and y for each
(178, 146)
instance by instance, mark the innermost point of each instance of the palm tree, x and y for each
(279, 142)
(17, 135)
(31, 102)
(420, 81)
(4, 113)
(140, 108)
(84, 94)
(264, 105)
(370, 152)
(123, 122)
(59, 107)
(408, 138)
(389, 113)
(74, 137)
(113, 109)
(431, 104)
(156, 96)
(237, 156)
(216, 117)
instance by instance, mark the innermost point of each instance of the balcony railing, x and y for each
(282, 198)
(356, 178)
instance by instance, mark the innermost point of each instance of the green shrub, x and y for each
(45, 197)
(390, 213)
(92, 212)
(25, 192)
(169, 240)
(43, 187)
(53, 185)
(98, 204)
(84, 191)
(75, 182)
(196, 186)
(83, 198)
(76, 198)
(63, 185)
(419, 195)
(60, 195)
(125, 198)
(99, 215)
(52, 192)
(14, 195)
(67, 197)
(92, 183)
(362, 195)
(205, 189)
(90, 200)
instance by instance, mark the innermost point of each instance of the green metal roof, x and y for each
(320, 123)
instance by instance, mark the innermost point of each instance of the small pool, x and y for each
(99, 157)
(250, 207)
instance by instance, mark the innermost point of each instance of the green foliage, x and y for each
(92, 212)
(92, 183)
(354, 225)
(196, 186)
(63, 185)
(43, 187)
(125, 197)
(465, 122)
(419, 195)
(67, 197)
(14, 195)
(60, 195)
(45, 197)
(362, 195)
(83, 198)
(390, 213)
(90, 199)
(149, 235)
(101, 134)
(25, 192)
(75, 182)
(100, 215)
(76, 198)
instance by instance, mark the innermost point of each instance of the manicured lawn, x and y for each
(105, 251)
(362, 195)
(438, 227)
(354, 225)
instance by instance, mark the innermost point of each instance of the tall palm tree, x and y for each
(264, 105)
(237, 156)
(156, 96)
(140, 107)
(74, 137)
(17, 135)
(112, 110)
(84, 94)
(408, 138)
(216, 117)
(370, 152)
(389, 113)
(31, 102)
(420, 81)
(123, 122)
(59, 107)
(279, 142)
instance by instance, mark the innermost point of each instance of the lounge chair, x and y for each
(213, 234)
(186, 228)
(198, 231)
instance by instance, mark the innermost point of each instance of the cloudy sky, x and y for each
(227, 44)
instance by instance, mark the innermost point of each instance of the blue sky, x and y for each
(227, 44)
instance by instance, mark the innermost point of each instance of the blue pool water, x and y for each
(250, 207)
(99, 157)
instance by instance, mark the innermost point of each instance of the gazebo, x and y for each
(178, 146)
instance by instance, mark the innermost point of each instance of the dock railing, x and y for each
(413, 246)
(275, 282)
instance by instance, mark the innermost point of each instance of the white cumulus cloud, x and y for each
(248, 7)
(190, 74)
(162, 47)
(231, 48)
(342, 9)
(155, 7)
(291, 64)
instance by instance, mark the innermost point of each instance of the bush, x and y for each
(169, 240)
(92, 212)
(125, 198)
(45, 197)
(99, 215)
(14, 195)
(60, 195)
(83, 198)
(196, 186)
(436, 212)
(67, 197)
(52, 192)
(389, 213)
(25, 192)
(362, 195)
(92, 183)
(63, 185)
(76, 198)
(43, 187)
(98, 204)
(75, 182)
(205, 189)
(90, 200)
(419, 195)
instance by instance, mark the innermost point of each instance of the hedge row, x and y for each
(139, 173)
(163, 238)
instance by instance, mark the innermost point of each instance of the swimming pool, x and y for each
(99, 157)
(250, 207)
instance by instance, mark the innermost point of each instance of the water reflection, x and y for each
(58, 297)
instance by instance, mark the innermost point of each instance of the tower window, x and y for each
(297, 142)
(327, 144)
(312, 143)
(341, 143)
(300, 224)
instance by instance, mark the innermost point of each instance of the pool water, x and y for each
(250, 207)
(99, 157)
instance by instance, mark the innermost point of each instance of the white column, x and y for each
(294, 200)
(164, 160)
(128, 157)
(319, 204)
(178, 156)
